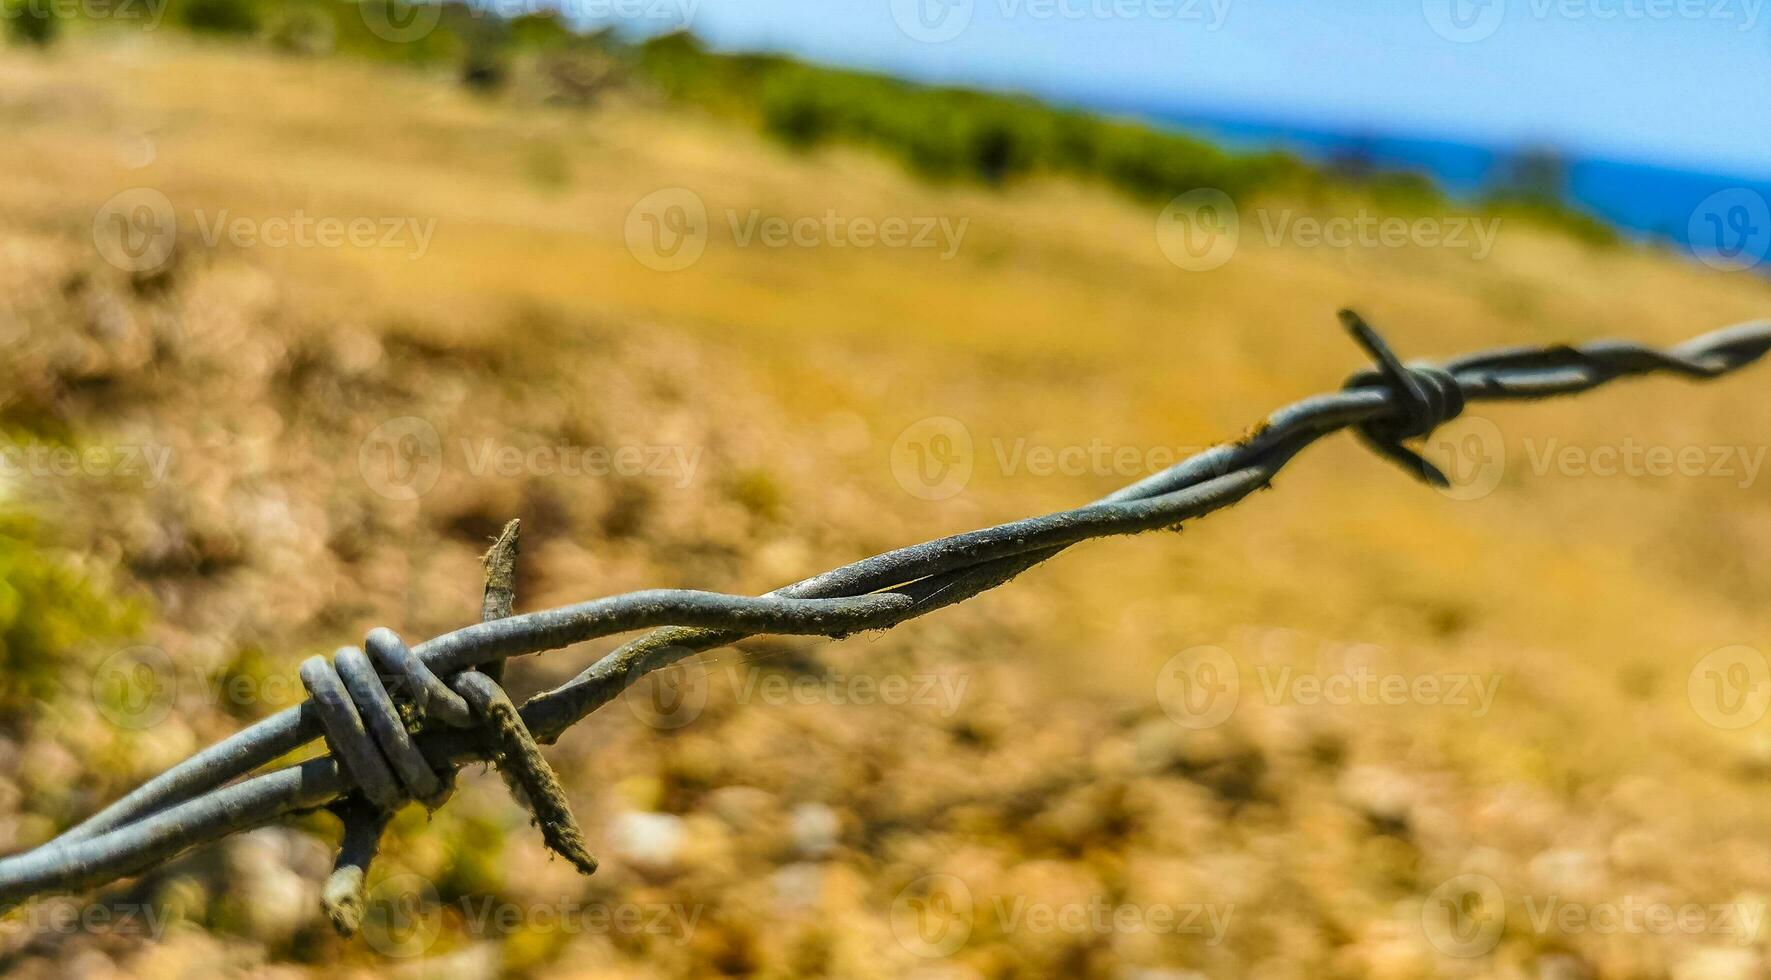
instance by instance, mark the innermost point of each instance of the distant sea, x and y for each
(1715, 216)
(1722, 219)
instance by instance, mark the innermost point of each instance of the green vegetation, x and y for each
(947, 133)
(220, 16)
(30, 23)
(955, 134)
(46, 610)
(944, 134)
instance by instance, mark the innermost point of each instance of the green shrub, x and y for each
(958, 134)
(33, 24)
(48, 611)
(484, 69)
(220, 16)
(1582, 227)
(946, 133)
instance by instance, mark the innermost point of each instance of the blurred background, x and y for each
(302, 301)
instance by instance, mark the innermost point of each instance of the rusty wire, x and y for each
(214, 793)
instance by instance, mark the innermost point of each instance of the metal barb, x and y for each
(1429, 397)
(215, 792)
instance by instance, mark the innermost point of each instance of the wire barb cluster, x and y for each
(1429, 397)
(400, 722)
(374, 739)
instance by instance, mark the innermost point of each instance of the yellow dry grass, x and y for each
(1058, 322)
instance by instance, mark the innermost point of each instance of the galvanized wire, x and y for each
(213, 793)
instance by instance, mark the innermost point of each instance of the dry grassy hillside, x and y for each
(1026, 751)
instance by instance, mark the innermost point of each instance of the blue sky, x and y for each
(1683, 83)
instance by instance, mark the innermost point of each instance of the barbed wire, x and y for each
(398, 731)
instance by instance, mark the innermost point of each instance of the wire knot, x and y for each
(371, 702)
(1426, 397)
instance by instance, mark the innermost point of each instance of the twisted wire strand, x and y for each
(364, 728)
(205, 797)
(343, 898)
